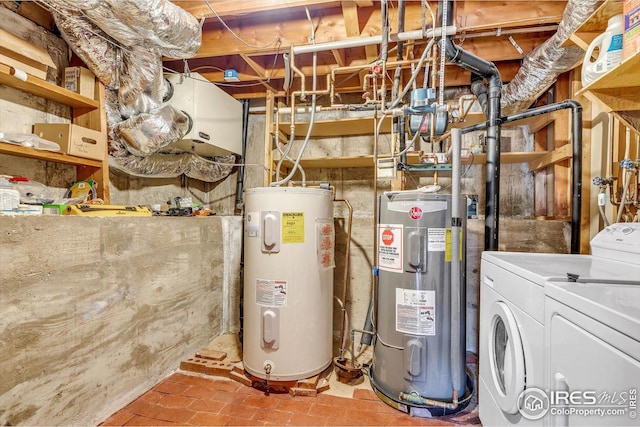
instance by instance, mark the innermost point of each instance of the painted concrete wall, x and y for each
(97, 310)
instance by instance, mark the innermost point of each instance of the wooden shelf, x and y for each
(49, 156)
(357, 126)
(619, 89)
(595, 25)
(85, 112)
(412, 159)
(335, 128)
(36, 86)
(515, 157)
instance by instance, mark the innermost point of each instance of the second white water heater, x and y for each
(289, 256)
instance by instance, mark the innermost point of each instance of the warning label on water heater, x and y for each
(292, 227)
(415, 312)
(390, 247)
(271, 293)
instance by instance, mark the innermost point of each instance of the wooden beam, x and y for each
(339, 56)
(350, 15)
(268, 140)
(508, 14)
(235, 8)
(260, 71)
(551, 158)
(562, 168)
(585, 211)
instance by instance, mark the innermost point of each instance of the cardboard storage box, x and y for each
(73, 139)
(80, 80)
(631, 38)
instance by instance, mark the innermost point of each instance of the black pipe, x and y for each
(576, 160)
(479, 89)
(240, 178)
(488, 70)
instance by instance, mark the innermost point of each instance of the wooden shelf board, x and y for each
(412, 158)
(49, 156)
(515, 157)
(619, 89)
(356, 126)
(46, 90)
(595, 24)
(540, 122)
(336, 128)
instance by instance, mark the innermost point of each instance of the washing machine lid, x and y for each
(615, 305)
(542, 267)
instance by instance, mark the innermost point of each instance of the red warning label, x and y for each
(387, 237)
(415, 213)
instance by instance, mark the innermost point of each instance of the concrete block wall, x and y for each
(97, 310)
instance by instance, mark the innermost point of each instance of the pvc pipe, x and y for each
(366, 41)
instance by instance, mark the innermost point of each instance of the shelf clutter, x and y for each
(618, 89)
(87, 114)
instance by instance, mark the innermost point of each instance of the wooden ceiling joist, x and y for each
(482, 29)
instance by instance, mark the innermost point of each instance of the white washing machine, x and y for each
(593, 338)
(512, 325)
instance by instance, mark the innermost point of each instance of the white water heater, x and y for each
(215, 116)
(288, 282)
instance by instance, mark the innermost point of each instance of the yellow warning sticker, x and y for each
(292, 227)
(447, 251)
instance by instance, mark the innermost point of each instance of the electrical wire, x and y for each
(276, 40)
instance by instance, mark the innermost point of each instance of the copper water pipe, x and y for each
(362, 67)
(346, 280)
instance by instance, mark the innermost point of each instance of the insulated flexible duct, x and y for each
(544, 64)
(122, 42)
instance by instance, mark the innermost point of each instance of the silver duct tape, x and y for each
(545, 63)
(148, 133)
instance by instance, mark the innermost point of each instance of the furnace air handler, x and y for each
(288, 286)
(419, 362)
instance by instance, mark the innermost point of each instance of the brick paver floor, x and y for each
(189, 400)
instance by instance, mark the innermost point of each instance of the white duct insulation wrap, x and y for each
(546, 62)
(122, 42)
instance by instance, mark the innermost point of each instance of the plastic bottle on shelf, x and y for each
(609, 46)
(9, 198)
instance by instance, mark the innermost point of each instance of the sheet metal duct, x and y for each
(546, 62)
